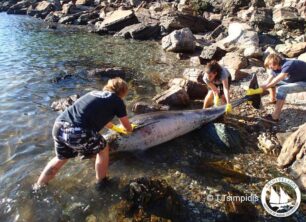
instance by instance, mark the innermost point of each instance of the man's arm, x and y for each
(126, 124)
(275, 80)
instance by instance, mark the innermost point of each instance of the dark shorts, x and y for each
(71, 141)
(220, 86)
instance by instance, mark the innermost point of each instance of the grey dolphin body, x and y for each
(159, 127)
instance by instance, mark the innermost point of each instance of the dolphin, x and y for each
(159, 127)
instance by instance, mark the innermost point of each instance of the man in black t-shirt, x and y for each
(76, 130)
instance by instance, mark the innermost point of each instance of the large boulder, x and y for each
(85, 2)
(293, 155)
(193, 74)
(175, 96)
(117, 21)
(5, 5)
(234, 62)
(85, 18)
(70, 19)
(143, 107)
(243, 37)
(288, 18)
(291, 50)
(231, 7)
(20, 8)
(107, 72)
(261, 19)
(195, 90)
(212, 52)
(179, 41)
(140, 31)
(41, 10)
(196, 24)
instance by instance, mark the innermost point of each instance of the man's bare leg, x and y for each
(278, 109)
(50, 171)
(272, 92)
(101, 165)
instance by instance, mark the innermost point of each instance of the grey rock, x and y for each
(212, 52)
(175, 96)
(63, 103)
(117, 21)
(20, 8)
(140, 31)
(107, 73)
(197, 24)
(179, 41)
(143, 107)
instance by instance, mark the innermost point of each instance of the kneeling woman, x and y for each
(218, 80)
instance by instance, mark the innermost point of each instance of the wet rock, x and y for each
(193, 74)
(107, 73)
(175, 96)
(175, 21)
(117, 21)
(234, 63)
(155, 197)
(221, 138)
(68, 9)
(291, 50)
(143, 107)
(240, 210)
(41, 10)
(85, 18)
(69, 19)
(19, 8)
(212, 52)
(195, 90)
(268, 143)
(179, 41)
(140, 31)
(63, 103)
(242, 37)
(293, 148)
(4, 6)
(52, 17)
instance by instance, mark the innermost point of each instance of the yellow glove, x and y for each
(134, 126)
(228, 108)
(217, 101)
(251, 92)
(119, 129)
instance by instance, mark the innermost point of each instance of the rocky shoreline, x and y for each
(240, 34)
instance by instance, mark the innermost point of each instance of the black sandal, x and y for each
(269, 118)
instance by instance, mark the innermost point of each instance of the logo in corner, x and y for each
(281, 197)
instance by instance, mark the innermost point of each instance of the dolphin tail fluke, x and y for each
(254, 100)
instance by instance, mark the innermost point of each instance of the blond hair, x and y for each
(274, 59)
(117, 85)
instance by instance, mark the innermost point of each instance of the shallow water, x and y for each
(31, 56)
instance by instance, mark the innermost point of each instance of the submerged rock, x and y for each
(221, 138)
(63, 103)
(107, 73)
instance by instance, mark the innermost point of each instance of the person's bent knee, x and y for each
(281, 93)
